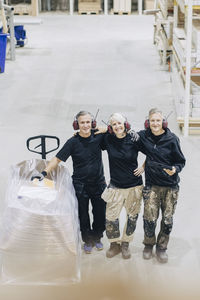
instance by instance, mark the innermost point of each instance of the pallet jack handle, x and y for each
(42, 144)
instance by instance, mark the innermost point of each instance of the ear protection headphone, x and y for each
(76, 126)
(127, 126)
(164, 123)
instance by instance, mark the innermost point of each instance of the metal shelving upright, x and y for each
(163, 28)
(185, 65)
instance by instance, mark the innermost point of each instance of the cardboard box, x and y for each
(122, 6)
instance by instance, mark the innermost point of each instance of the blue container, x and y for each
(20, 35)
(3, 43)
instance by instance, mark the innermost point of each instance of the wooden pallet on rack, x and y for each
(88, 12)
(121, 7)
(112, 12)
(25, 9)
(194, 125)
(89, 7)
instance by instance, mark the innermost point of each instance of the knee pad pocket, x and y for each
(112, 229)
(167, 226)
(149, 228)
(131, 224)
(146, 192)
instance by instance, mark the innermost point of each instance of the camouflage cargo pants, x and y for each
(158, 198)
(116, 199)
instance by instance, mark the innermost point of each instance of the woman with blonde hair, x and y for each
(125, 187)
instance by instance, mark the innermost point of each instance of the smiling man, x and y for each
(164, 160)
(88, 178)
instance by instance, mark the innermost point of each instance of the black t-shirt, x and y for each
(86, 157)
(122, 155)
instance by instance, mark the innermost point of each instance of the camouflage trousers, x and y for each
(116, 199)
(156, 199)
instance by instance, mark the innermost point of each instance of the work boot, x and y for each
(114, 249)
(162, 256)
(125, 250)
(147, 252)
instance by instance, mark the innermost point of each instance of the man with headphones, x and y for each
(88, 177)
(164, 160)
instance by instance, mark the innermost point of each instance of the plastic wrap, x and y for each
(40, 236)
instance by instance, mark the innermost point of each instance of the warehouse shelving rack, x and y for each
(186, 64)
(35, 6)
(163, 28)
(30, 8)
(71, 7)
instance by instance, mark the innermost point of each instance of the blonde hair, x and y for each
(117, 117)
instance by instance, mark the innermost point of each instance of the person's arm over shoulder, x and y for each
(137, 139)
(104, 139)
(178, 157)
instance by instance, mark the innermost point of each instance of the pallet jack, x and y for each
(42, 144)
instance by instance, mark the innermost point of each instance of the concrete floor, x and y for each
(110, 63)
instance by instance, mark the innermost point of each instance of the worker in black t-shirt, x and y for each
(125, 188)
(88, 178)
(164, 160)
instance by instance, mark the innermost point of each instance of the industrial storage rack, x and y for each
(163, 28)
(185, 74)
(31, 7)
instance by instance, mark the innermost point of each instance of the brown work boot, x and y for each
(125, 250)
(114, 249)
(147, 252)
(162, 256)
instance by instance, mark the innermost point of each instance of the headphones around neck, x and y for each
(76, 126)
(127, 126)
(164, 123)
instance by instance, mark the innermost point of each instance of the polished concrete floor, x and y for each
(106, 62)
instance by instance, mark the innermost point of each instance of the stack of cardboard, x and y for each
(89, 6)
(23, 9)
(149, 4)
(122, 6)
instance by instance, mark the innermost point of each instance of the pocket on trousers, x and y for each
(146, 192)
(175, 193)
(108, 195)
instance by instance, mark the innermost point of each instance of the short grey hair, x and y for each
(117, 117)
(155, 111)
(83, 113)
